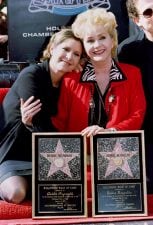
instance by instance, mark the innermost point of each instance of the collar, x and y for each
(88, 74)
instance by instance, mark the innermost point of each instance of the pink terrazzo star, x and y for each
(118, 158)
(59, 160)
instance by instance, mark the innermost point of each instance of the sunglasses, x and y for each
(148, 13)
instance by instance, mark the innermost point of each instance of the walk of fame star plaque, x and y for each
(59, 175)
(118, 174)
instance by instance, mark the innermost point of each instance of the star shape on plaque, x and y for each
(118, 158)
(59, 160)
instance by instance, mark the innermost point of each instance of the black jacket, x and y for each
(15, 138)
(139, 52)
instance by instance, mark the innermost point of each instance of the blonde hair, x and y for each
(132, 9)
(57, 39)
(96, 16)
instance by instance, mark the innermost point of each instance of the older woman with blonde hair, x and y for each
(107, 95)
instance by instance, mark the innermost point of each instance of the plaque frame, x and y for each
(59, 188)
(118, 174)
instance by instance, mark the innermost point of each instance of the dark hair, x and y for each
(58, 38)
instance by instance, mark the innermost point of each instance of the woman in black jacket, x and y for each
(32, 100)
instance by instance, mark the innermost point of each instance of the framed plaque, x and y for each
(59, 172)
(118, 174)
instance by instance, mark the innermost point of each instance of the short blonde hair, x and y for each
(58, 38)
(96, 16)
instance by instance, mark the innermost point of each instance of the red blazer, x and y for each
(124, 103)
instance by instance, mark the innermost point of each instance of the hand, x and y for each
(29, 109)
(80, 66)
(92, 130)
(112, 129)
(3, 39)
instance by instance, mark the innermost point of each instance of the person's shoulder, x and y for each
(28, 73)
(127, 66)
(32, 71)
(129, 70)
(131, 42)
(32, 68)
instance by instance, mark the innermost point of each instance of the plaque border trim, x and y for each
(84, 191)
(142, 162)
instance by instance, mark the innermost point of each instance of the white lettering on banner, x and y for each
(66, 7)
(26, 35)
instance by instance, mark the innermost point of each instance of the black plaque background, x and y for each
(64, 186)
(110, 182)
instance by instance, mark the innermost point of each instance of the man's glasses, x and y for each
(148, 13)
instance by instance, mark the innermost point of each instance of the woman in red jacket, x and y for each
(107, 95)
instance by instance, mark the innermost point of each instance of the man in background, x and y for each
(138, 50)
